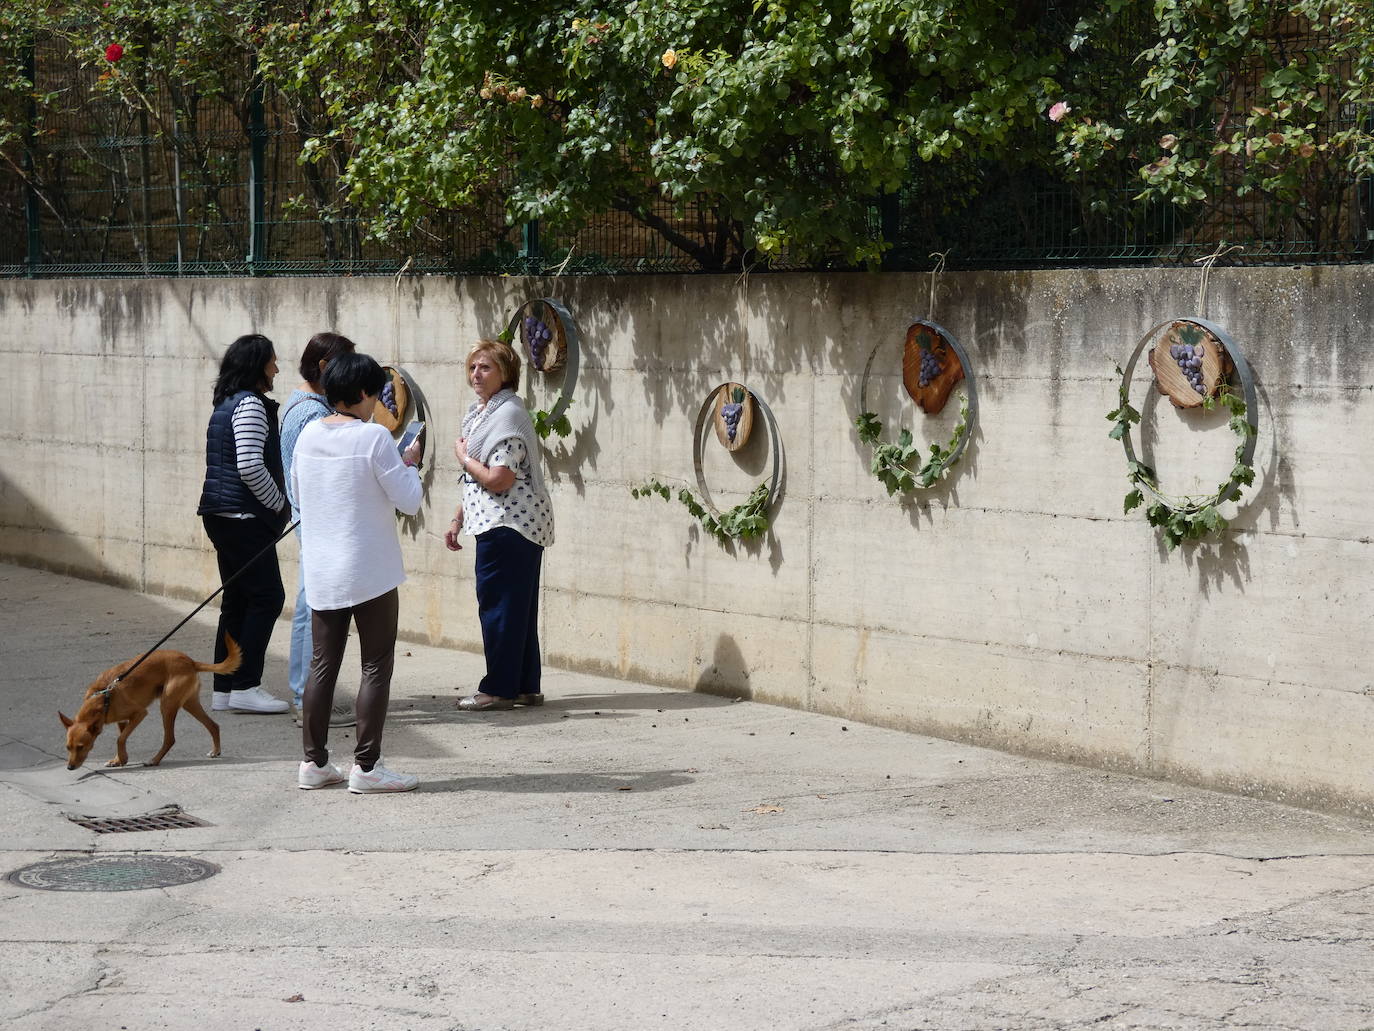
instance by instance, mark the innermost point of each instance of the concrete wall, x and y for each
(1013, 606)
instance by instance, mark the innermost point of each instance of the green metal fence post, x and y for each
(529, 245)
(257, 176)
(33, 214)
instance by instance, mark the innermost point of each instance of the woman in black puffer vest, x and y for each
(243, 505)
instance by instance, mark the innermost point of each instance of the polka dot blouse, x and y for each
(521, 507)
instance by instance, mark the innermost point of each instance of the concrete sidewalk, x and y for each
(632, 857)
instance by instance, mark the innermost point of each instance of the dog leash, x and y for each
(106, 690)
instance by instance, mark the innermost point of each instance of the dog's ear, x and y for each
(65, 721)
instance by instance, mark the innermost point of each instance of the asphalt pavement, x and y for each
(633, 857)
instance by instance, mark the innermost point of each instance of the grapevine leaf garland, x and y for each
(544, 425)
(1186, 518)
(891, 462)
(743, 522)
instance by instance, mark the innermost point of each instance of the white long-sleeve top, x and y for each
(350, 481)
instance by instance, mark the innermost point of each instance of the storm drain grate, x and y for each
(170, 818)
(112, 873)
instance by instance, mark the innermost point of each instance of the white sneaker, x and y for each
(220, 702)
(311, 776)
(253, 699)
(380, 779)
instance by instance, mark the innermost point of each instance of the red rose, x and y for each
(113, 52)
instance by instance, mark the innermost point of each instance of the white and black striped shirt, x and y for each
(250, 442)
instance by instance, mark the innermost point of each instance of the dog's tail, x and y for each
(230, 663)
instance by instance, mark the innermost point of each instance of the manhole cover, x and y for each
(112, 873)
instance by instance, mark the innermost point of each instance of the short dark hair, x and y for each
(351, 375)
(242, 366)
(323, 347)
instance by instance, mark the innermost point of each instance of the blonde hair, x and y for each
(503, 356)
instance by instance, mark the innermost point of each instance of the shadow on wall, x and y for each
(493, 301)
(566, 457)
(1224, 558)
(677, 379)
(983, 319)
(30, 535)
(728, 673)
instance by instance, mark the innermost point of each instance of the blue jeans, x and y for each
(298, 666)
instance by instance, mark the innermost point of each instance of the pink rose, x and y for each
(1058, 111)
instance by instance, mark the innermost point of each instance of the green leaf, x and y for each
(743, 522)
(1217, 522)
(870, 429)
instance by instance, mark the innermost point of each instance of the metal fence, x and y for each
(215, 187)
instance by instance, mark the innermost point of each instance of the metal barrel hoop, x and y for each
(1248, 395)
(773, 437)
(413, 389)
(970, 387)
(571, 335)
(417, 398)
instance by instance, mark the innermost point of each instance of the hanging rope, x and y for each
(395, 348)
(934, 275)
(1207, 263)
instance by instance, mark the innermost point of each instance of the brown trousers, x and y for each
(376, 621)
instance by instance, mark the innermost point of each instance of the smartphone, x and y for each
(413, 432)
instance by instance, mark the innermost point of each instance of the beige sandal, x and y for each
(485, 703)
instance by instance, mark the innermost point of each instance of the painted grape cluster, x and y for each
(931, 366)
(537, 336)
(732, 411)
(1189, 358)
(389, 398)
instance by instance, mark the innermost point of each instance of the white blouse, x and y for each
(521, 507)
(349, 481)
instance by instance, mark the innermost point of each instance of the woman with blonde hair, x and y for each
(506, 507)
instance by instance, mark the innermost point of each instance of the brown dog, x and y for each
(171, 675)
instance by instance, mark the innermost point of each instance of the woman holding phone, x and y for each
(349, 482)
(306, 404)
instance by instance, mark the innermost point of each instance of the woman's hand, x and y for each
(454, 529)
(411, 455)
(460, 450)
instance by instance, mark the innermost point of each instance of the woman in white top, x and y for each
(348, 482)
(506, 507)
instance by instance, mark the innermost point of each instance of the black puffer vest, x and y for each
(223, 490)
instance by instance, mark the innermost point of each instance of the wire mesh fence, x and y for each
(213, 184)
